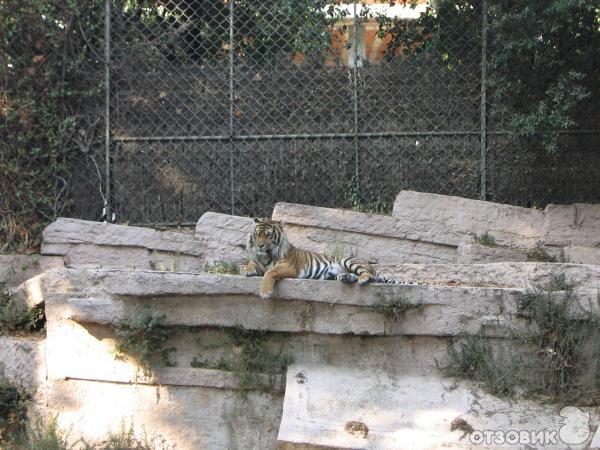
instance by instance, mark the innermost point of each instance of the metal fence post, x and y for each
(355, 102)
(231, 143)
(107, 200)
(483, 130)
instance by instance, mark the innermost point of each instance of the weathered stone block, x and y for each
(22, 361)
(472, 253)
(94, 244)
(348, 408)
(14, 269)
(566, 225)
(182, 417)
(511, 226)
(375, 237)
(224, 236)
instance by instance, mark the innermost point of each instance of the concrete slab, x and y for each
(342, 407)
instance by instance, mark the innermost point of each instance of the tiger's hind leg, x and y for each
(357, 270)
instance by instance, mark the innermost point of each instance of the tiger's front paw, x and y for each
(248, 272)
(266, 295)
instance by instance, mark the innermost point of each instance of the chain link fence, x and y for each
(234, 105)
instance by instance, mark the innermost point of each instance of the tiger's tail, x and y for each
(388, 280)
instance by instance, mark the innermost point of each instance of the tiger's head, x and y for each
(267, 240)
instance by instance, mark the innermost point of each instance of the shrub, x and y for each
(558, 356)
(144, 337)
(222, 268)
(248, 354)
(543, 58)
(13, 412)
(485, 239)
(48, 52)
(392, 305)
(17, 317)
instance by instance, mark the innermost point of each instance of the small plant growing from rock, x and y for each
(222, 268)
(485, 239)
(248, 354)
(16, 317)
(126, 438)
(568, 342)
(392, 305)
(144, 337)
(46, 435)
(558, 357)
(539, 254)
(354, 200)
(13, 413)
(475, 360)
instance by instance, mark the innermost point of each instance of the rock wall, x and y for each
(359, 378)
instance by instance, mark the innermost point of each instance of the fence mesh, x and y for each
(234, 105)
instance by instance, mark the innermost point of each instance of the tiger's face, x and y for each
(266, 236)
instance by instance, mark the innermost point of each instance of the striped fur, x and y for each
(272, 256)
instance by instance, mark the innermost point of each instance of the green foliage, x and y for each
(545, 64)
(263, 28)
(449, 30)
(475, 360)
(355, 201)
(569, 344)
(17, 317)
(543, 58)
(48, 436)
(485, 239)
(557, 358)
(392, 305)
(539, 253)
(47, 56)
(13, 412)
(144, 337)
(222, 268)
(248, 354)
(127, 439)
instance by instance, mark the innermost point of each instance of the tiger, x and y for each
(273, 257)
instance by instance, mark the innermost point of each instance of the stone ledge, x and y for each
(498, 274)
(297, 306)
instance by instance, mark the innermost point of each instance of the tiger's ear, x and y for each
(257, 219)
